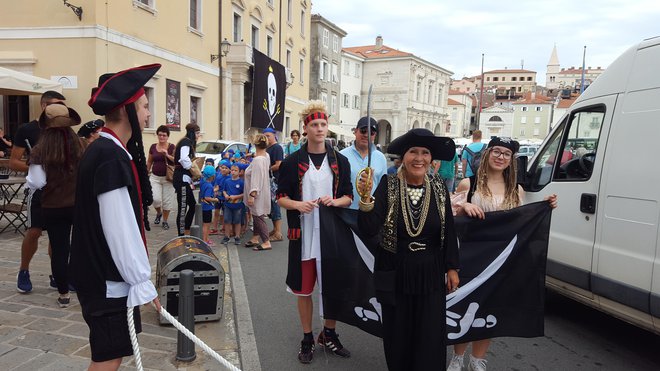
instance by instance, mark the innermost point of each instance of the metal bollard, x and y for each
(185, 348)
(196, 231)
(199, 220)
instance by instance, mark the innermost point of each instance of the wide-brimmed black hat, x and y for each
(119, 89)
(58, 115)
(442, 148)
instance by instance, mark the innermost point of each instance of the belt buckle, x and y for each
(416, 246)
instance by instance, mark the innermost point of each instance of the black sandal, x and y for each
(261, 248)
(251, 244)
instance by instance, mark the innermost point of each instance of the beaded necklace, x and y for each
(414, 215)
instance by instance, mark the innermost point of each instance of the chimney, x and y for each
(379, 42)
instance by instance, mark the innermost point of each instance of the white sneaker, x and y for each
(476, 364)
(456, 363)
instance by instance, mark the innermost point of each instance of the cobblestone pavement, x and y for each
(36, 334)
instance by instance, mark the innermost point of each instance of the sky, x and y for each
(454, 33)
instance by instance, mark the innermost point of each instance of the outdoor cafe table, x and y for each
(11, 209)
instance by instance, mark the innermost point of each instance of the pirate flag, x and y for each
(502, 274)
(268, 91)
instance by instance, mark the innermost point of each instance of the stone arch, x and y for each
(427, 125)
(384, 135)
(415, 124)
(495, 119)
(437, 130)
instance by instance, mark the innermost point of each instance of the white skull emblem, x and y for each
(272, 93)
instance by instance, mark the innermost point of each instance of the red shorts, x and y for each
(308, 278)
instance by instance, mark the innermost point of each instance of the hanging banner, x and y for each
(268, 92)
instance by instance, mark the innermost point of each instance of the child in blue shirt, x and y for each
(208, 199)
(233, 208)
(220, 175)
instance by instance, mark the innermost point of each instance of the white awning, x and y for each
(18, 83)
(339, 130)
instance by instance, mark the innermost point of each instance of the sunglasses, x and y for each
(363, 130)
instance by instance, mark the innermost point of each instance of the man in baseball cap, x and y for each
(109, 265)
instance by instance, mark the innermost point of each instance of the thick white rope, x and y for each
(197, 340)
(180, 327)
(134, 340)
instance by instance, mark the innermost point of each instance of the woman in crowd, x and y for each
(257, 193)
(183, 181)
(89, 132)
(54, 168)
(412, 210)
(161, 155)
(294, 144)
(493, 188)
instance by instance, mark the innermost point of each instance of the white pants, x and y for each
(163, 192)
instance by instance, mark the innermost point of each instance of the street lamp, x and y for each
(224, 50)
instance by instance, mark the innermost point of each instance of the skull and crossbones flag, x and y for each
(268, 92)
(502, 287)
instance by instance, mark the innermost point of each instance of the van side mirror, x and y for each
(521, 176)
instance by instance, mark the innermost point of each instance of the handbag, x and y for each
(169, 173)
(195, 169)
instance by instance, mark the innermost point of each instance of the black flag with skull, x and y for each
(268, 92)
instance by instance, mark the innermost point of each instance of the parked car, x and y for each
(527, 151)
(215, 148)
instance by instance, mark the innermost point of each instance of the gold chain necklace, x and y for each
(414, 231)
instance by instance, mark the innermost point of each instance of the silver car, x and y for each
(215, 148)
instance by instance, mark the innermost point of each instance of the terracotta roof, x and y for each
(565, 103)
(510, 71)
(578, 71)
(452, 102)
(536, 100)
(456, 92)
(370, 52)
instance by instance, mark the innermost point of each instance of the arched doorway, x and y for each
(384, 135)
(427, 125)
(437, 130)
(415, 124)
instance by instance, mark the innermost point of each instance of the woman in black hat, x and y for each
(53, 169)
(493, 188)
(412, 211)
(90, 131)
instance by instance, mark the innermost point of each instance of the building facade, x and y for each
(460, 107)
(47, 39)
(466, 85)
(496, 121)
(325, 70)
(351, 91)
(510, 83)
(532, 117)
(279, 29)
(408, 91)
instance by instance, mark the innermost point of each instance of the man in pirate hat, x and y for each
(109, 265)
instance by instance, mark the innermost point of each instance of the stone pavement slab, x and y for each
(35, 334)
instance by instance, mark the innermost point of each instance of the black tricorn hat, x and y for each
(119, 89)
(442, 148)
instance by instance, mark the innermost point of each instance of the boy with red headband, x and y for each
(109, 265)
(312, 176)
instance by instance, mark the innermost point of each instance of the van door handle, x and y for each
(588, 203)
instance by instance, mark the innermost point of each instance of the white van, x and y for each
(601, 161)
